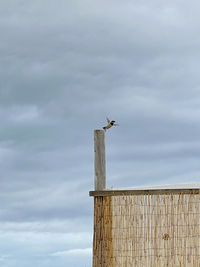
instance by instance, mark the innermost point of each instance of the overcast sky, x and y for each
(65, 66)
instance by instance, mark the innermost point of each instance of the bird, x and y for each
(110, 124)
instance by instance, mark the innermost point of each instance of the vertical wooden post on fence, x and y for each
(99, 160)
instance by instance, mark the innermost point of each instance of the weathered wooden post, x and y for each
(99, 160)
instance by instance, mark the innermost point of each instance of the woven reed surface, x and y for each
(147, 230)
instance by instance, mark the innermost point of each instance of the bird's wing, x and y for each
(107, 120)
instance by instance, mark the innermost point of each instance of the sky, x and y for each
(66, 66)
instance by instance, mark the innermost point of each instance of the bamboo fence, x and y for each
(145, 229)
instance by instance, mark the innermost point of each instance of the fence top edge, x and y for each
(124, 192)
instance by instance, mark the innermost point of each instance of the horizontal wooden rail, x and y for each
(126, 192)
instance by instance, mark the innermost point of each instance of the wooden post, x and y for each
(99, 160)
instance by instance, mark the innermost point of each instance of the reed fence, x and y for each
(145, 230)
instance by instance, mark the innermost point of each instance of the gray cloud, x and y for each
(65, 67)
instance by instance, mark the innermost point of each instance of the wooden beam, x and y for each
(99, 160)
(144, 192)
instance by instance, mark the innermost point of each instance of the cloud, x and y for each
(73, 252)
(65, 67)
(24, 114)
(35, 242)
